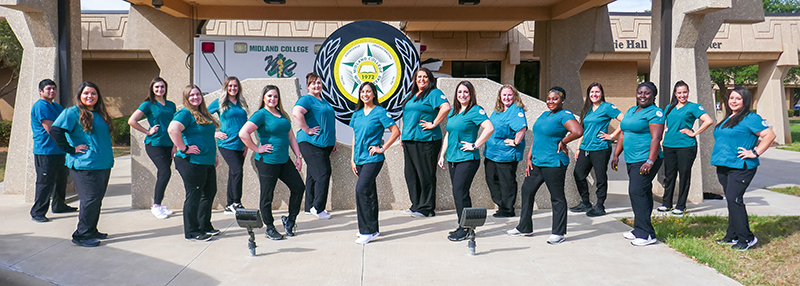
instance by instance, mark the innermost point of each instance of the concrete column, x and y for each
(509, 64)
(562, 46)
(694, 25)
(169, 40)
(36, 30)
(771, 93)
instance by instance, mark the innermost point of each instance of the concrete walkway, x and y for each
(142, 250)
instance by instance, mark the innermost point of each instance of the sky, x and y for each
(616, 6)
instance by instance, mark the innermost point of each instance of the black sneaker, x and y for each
(213, 232)
(40, 219)
(458, 235)
(727, 241)
(596, 211)
(288, 226)
(273, 234)
(202, 237)
(502, 214)
(742, 245)
(581, 208)
(89, 242)
(64, 209)
(99, 235)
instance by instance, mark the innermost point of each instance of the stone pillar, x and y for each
(509, 64)
(694, 25)
(169, 40)
(771, 93)
(36, 30)
(562, 46)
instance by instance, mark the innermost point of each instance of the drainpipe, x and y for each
(666, 53)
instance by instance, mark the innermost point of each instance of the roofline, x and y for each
(104, 11)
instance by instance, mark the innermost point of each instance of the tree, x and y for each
(10, 57)
(781, 6)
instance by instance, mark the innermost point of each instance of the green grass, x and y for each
(121, 150)
(795, 191)
(773, 261)
(794, 127)
(3, 156)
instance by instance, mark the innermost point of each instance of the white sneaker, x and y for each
(229, 210)
(677, 212)
(166, 210)
(662, 209)
(158, 212)
(555, 239)
(366, 238)
(643, 242)
(516, 232)
(407, 211)
(628, 235)
(320, 215)
(416, 214)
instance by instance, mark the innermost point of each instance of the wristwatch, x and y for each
(649, 162)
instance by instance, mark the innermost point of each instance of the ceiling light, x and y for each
(372, 2)
(275, 1)
(469, 2)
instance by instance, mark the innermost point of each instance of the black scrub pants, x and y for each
(162, 158)
(51, 180)
(501, 178)
(420, 172)
(554, 178)
(91, 186)
(734, 183)
(640, 191)
(235, 161)
(678, 161)
(367, 197)
(461, 176)
(200, 182)
(268, 175)
(586, 161)
(318, 175)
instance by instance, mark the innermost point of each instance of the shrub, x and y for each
(5, 133)
(122, 132)
(791, 113)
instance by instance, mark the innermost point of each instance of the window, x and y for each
(526, 78)
(484, 69)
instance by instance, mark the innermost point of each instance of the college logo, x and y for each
(366, 51)
(659, 113)
(701, 108)
(279, 66)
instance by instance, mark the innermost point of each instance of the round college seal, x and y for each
(366, 51)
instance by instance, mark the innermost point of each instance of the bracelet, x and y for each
(186, 148)
(755, 153)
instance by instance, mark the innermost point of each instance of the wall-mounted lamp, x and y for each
(469, 2)
(372, 2)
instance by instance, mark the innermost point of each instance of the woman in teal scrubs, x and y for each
(504, 149)
(547, 163)
(317, 139)
(232, 113)
(460, 146)
(595, 149)
(680, 145)
(159, 112)
(423, 110)
(275, 139)
(83, 131)
(369, 122)
(736, 151)
(192, 132)
(642, 129)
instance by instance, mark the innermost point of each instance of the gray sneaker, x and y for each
(555, 239)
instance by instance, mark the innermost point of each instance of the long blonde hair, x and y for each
(500, 107)
(200, 113)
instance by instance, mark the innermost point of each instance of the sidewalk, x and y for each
(142, 250)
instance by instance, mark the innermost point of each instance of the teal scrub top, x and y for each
(727, 141)
(99, 155)
(272, 130)
(463, 127)
(196, 134)
(548, 131)
(42, 143)
(231, 121)
(506, 125)
(677, 120)
(596, 121)
(636, 131)
(424, 109)
(318, 113)
(158, 114)
(367, 134)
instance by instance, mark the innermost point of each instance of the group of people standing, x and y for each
(192, 136)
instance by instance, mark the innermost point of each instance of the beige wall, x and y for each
(618, 80)
(124, 83)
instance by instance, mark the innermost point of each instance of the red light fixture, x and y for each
(207, 47)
